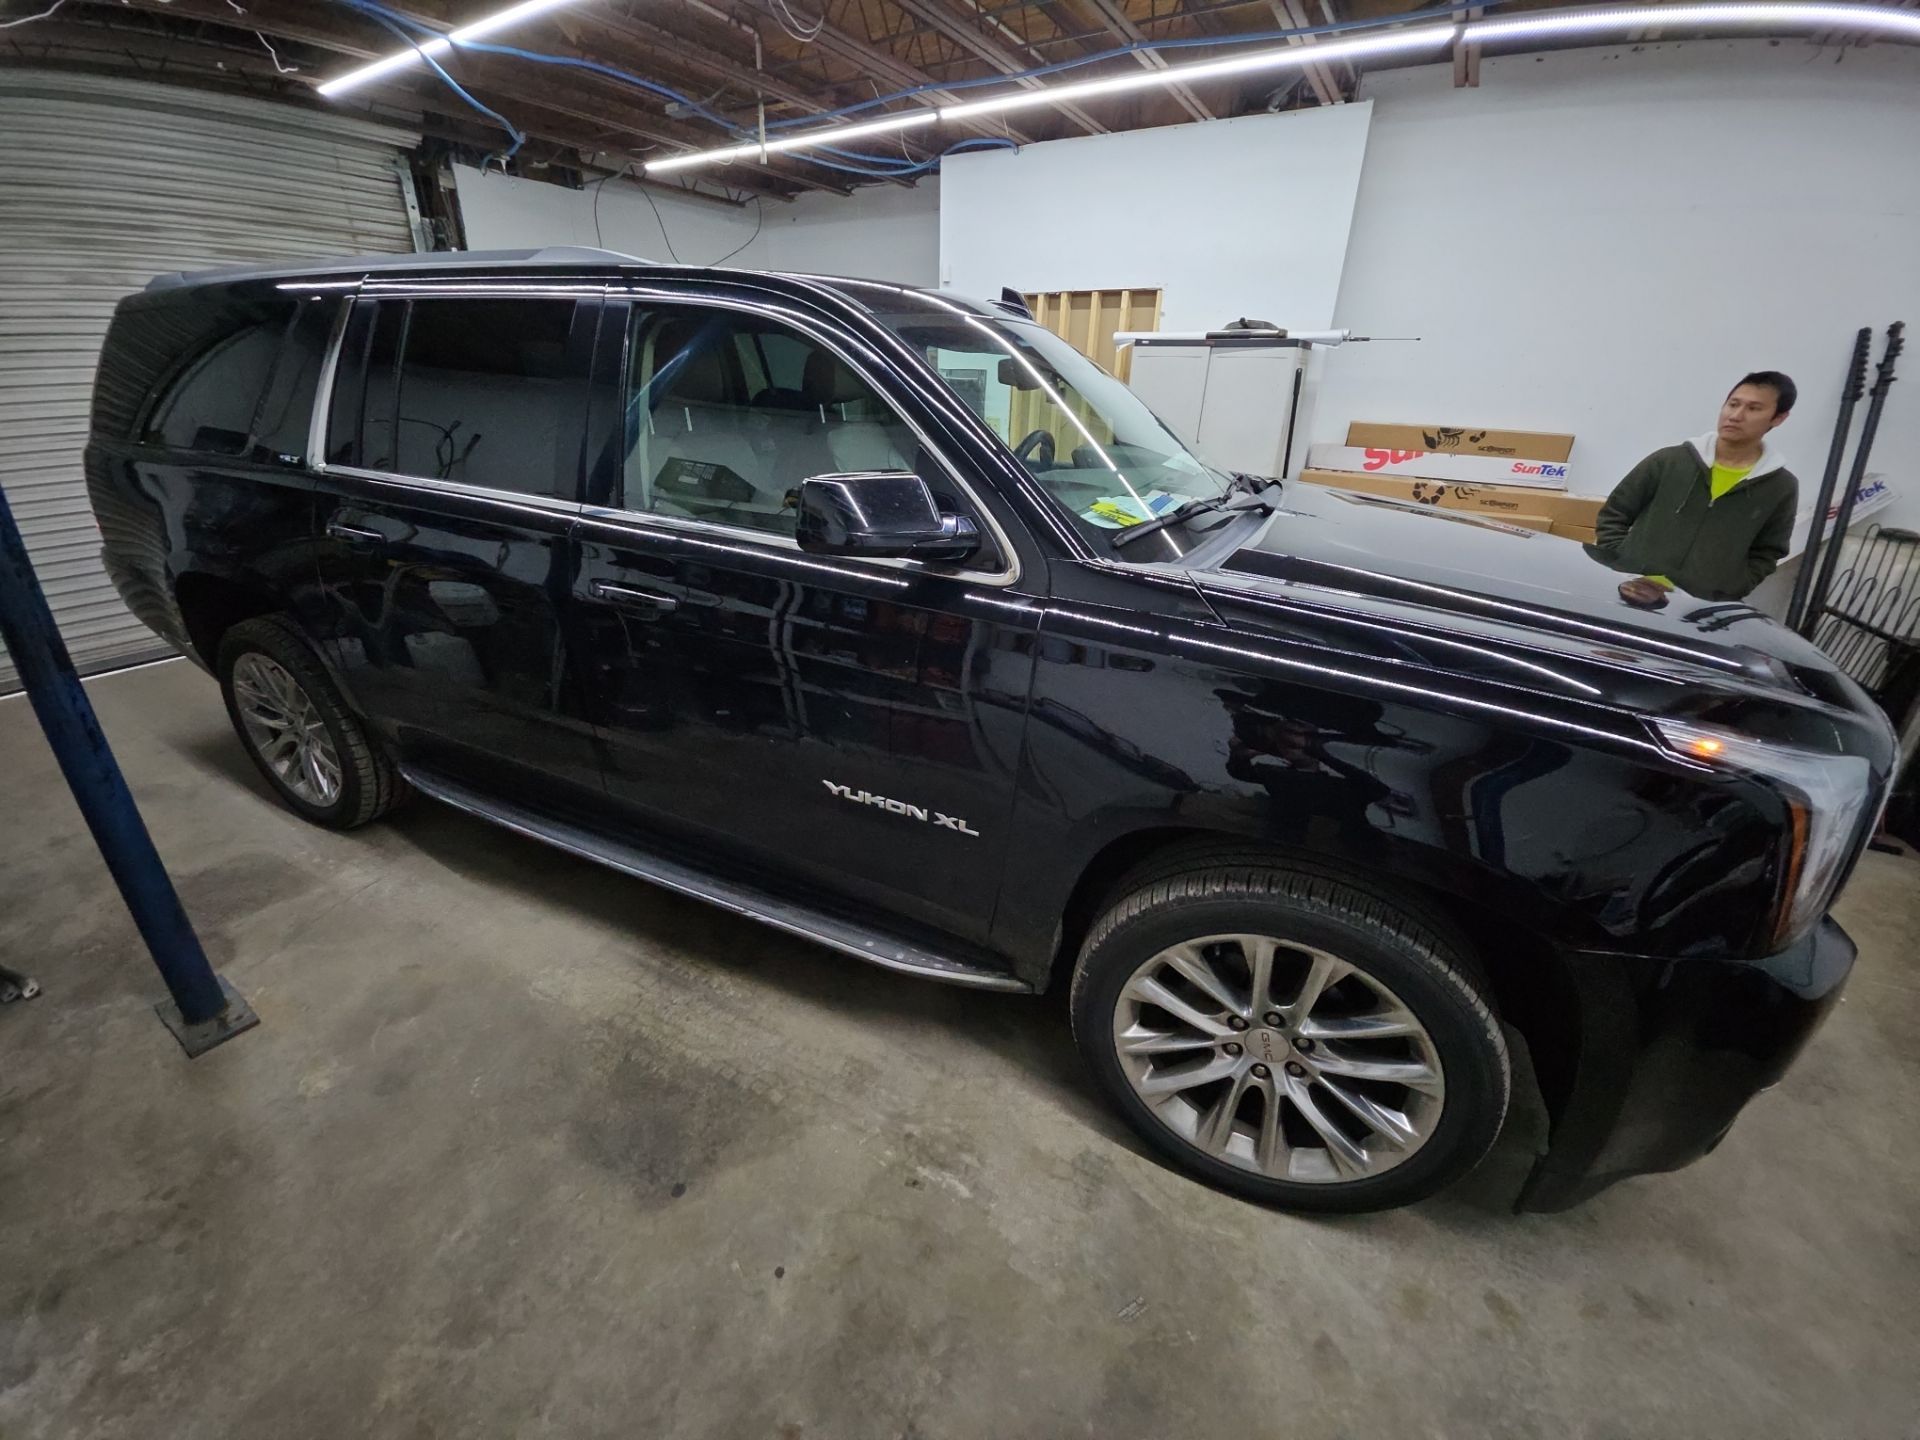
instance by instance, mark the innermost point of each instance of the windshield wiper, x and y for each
(1250, 484)
(1180, 514)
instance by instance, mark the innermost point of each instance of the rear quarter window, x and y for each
(189, 375)
(209, 406)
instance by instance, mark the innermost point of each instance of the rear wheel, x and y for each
(1291, 1036)
(315, 752)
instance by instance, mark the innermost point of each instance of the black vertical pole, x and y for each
(1849, 396)
(1882, 381)
(1293, 412)
(206, 1010)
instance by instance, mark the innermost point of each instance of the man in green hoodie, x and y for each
(1712, 516)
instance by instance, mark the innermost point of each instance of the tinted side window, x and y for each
(493, 393)
(360, 415)
(786, 358)
(376, 436)
(286, 410)
(209, 405)
(705, 439)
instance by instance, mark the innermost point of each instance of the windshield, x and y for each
(1085, 435)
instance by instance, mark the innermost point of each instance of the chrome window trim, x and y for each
(548, 504)
(323, 399)
(836, 345)
(641, 521)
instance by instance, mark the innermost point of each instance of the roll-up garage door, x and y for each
(106, 183)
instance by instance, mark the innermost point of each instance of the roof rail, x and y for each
(391, 264)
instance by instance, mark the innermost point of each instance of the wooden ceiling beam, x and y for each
(875, 60)
(1112, 14)
(614, 114)
(961, 31)
(1292, 15)
(794, 170)
(656, 40)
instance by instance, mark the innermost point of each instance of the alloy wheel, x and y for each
(285, 729)
(1278, 1058)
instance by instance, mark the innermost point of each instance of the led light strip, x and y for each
(1761, 13)
(831, 136)
(1855, 18)
(478, 30)
(1419, 38)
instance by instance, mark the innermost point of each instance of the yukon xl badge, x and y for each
(900, 807)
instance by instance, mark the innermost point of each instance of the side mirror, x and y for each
(880, 515)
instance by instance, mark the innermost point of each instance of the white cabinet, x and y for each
(1233, 398)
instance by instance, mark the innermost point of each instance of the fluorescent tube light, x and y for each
(1548, 25)
(401, 59)
(502, 19)
(1772, 14)
(1420, 37)
(831, 135)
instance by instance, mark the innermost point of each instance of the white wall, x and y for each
(883, 232)
(1244, 217)
(1602, 241)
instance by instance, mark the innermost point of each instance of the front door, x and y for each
(854, 724)
(449, 496)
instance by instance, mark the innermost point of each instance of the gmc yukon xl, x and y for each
(885, 617)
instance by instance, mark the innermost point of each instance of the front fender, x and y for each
(1572, 829)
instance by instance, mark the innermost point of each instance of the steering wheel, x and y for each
(1036, 449)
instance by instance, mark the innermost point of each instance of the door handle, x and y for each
(645, 600)
(354, 534)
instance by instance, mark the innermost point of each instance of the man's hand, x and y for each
(1647, 594)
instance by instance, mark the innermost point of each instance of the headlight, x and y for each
(1825, 796)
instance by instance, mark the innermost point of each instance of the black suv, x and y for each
(885, 617)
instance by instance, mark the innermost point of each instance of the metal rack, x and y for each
(1869, 622)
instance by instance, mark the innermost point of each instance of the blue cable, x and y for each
(392, 20)
(518, 137)
(608, 70)
(884, 168)
(1188, 42)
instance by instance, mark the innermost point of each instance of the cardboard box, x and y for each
(1513, 503)
(1435, 465)
(1462, 440)
(1583, 533)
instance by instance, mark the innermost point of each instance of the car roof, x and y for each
(872, 295)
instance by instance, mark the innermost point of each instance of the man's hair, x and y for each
(1785, 392)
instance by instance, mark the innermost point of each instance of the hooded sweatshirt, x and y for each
(1663, 520)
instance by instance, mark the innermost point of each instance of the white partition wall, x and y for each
(1231, 218)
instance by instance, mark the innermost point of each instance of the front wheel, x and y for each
(1284, 1034)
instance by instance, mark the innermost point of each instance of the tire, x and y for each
(1246, 1106)
(287, 711)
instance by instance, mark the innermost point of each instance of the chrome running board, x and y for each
(889, 952)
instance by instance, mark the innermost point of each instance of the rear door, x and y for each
(853, 724)
(449, 493)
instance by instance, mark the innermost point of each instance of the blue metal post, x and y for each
(208, 1011)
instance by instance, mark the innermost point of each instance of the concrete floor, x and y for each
(524, 1147)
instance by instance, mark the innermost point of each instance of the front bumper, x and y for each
(1667, 1052)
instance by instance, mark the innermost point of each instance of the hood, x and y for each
(1770, 459)
(1411, 583)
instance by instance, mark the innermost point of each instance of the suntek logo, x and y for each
(1532, 467)
(1380, 459)
(901, 808)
